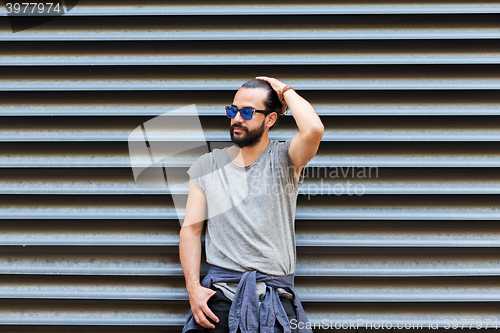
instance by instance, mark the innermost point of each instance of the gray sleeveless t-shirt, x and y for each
(250, 212)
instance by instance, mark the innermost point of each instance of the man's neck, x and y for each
(247, 155)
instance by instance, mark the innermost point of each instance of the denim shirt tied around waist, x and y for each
(244, 312)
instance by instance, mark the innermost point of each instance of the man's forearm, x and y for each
(190, 256)
(302, 111)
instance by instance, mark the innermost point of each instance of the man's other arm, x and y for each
(305, 142)
(190, 256)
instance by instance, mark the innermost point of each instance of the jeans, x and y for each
(220, 304)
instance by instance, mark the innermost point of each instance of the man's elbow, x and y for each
(316, 131)
(191, 229)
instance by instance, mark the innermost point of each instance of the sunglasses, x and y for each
(246, 113)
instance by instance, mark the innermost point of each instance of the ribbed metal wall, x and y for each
(409, 88)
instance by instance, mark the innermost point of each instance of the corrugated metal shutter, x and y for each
(407, 90)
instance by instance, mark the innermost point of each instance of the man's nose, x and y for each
(238, 118)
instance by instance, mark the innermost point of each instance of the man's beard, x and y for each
(250, 138)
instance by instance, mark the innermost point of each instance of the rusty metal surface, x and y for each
(110, 78)
(210, 103)
(105, 181)
(348, 154)
(171, 8)
(409, 89)
(280, 52)
(57, 129)
(302, 27)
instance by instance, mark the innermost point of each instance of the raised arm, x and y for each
(305, 142)
(190, 256)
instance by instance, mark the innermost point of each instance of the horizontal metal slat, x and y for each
(340, 262)
(70, 313)
(307, 188)
(304, 27)
(149, 8)
(340, 84)
(207, 60)
(397, 207)
(205, 53)
(77, 264)
(397, 214)
(67, 314)
(353, 207)
(375, 316)
(425, 290)
(90, 233)
(93, 287)
(209, 110)
(94, 328)
(405, 154)
(396, 234)
(211, 103)
(327, 181)
(185, 78)
(349, 154)
(402, 262)
(181, 128)
(312, 290)
(310, 234)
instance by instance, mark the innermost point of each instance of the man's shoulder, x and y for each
(216, 155)
(202, 162)
(203, 158)
(280, 148)
(281, 144)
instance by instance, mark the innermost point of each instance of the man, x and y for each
(247, 193)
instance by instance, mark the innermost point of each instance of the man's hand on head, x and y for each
(198, 298)
(277, 86)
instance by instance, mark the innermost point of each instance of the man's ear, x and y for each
(273, 117)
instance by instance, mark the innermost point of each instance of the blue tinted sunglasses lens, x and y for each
(231, 111)
(246, 114)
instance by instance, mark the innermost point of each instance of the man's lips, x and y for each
(238, 129)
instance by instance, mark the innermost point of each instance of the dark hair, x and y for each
(272, 102)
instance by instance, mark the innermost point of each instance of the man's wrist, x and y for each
(192, 285)
(282, 92)
(288, 91)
